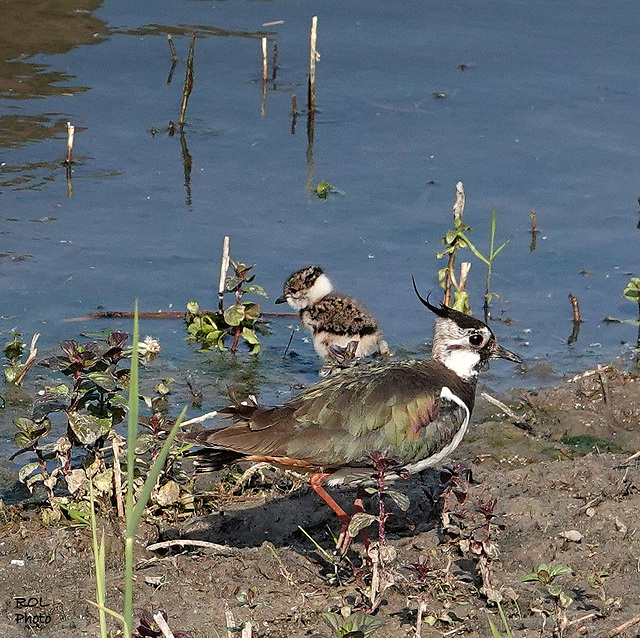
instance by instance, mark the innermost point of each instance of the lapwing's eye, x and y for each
(475, 339)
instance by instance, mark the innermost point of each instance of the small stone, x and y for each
(19, 563)
(572, 535)
(590, 512)
(620, 526)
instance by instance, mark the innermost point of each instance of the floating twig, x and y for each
(534, 231)
(174, 55)
(575, 307)
(188, 82)
(274, 61)
(187, 165)
(313, 56)
(174, 58)
(224, 266)
(68, 161)
(294, 113)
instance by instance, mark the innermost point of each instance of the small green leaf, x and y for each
(256, 290)
(193, 307)
(359, 521)
(632, 291)
(104, 380)
(250, 336)
(323, 189)
(26, 470)
(88, 429)
(234, 315)
(400, 499)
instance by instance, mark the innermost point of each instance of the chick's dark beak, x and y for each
(280, 299)
(502, 353)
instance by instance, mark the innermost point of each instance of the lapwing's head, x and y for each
(305, 287)
(463, 343)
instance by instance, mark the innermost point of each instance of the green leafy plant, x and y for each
(546, 575)
(91, 406)
(455, 239)
(358, 624)
(213, 329)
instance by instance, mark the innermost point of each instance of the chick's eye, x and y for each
(475, 339)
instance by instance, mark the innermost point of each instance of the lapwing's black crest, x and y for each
(445, 312)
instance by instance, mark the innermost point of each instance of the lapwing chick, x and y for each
(414, 411)
(332, 319)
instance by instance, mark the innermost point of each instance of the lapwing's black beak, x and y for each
(280, 299)
(502, 353)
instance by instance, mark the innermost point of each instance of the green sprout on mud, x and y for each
(240, 320)
(494, 630)
(546, 576)
(358, 624)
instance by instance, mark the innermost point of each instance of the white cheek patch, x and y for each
(297, 304)
(321, 287)
(463, 362)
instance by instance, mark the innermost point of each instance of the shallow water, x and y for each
(542, 118)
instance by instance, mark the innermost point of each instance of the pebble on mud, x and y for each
(572, 535)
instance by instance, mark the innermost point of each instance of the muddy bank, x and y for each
(554, 488)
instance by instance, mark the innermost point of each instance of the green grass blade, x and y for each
(134, 519)
(99, 565)
(494, 632)
(474, 250)
(132, 421)
(115, 614)
(132, 436)
(493, 233)
(497, 252)
(504, 621)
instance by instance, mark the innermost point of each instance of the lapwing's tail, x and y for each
(212, 459)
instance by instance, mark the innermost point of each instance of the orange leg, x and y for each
(344, 540)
